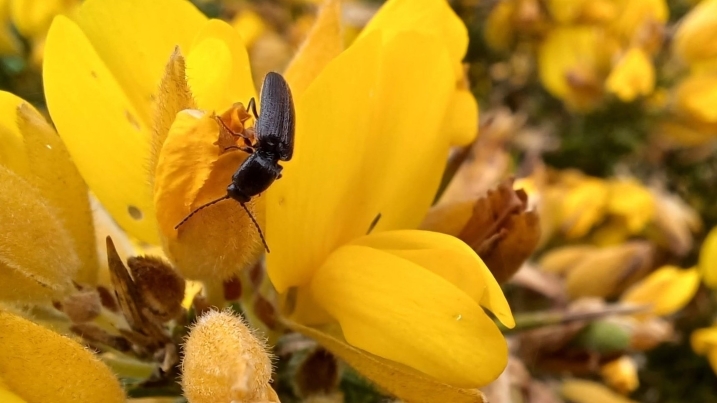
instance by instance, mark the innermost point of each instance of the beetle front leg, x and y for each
(232, 132)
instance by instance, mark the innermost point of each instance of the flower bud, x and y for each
(225, 362)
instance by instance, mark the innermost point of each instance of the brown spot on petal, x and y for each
(232, 289)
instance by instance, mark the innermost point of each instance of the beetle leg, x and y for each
(230, 131)
(252, 107)
(247, 150)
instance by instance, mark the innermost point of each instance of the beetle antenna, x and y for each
(199, 208)
(256, 224)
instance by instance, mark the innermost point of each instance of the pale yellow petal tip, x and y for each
(195, 167)
(225, 361)
(632, 76)
(31, 349)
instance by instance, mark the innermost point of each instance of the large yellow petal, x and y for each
(218, 68)
(37, 260)
(134, 39)
(367, 144)
(101, 127)
(323, 43)
(450, 258)
(404, 382)
(42, 366)
(425, 322)
(431, 17)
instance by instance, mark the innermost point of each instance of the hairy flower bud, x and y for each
(225, 362)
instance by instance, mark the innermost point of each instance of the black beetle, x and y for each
(274, 133)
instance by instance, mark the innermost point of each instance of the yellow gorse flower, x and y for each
(374, 125)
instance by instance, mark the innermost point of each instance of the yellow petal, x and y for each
(218, 70)
(621, 374)
(633, 202)
(668, 289)
(632, 76)
(583, 206)
(7, 396)
(323, 44)
(33, 18)
(425, 322)
(12, 148)
(9, 43)
(61, 185)
(450, 258)
(250, 26)
(366, 144)
(708, 259)
(693, 97)
(607, 271)
(462, 119)
(704, 340)
(570, 63)
(134, 39)
(190, 172)
(696, 37)
(433, 18)
(636, 15)
(37, 262)
(42, 366)
(563, 259)
(404, 382)
(581, 391)
(26, 136)
(498, 31)
(102, 129)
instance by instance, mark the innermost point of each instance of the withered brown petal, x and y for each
(522, 233)
(131, 302)
(159, 286)
(125, 289)
(501, 231)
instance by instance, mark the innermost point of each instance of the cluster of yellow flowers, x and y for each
(588, 53)
(133, 88)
